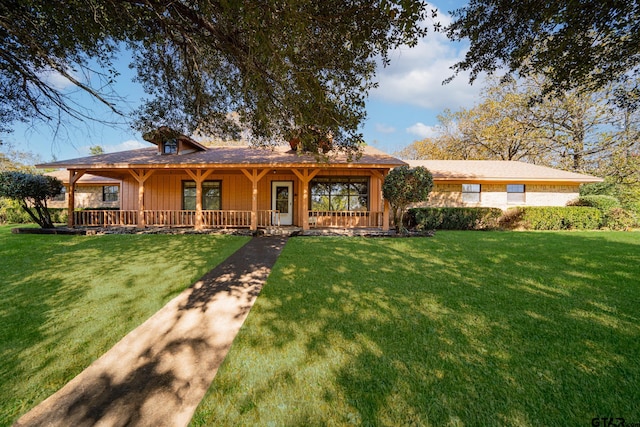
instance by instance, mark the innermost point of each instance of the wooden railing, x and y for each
(105, 218)
(345, 219)
(171, 218)
(269, 218)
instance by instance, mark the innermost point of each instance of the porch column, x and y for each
(305, 176)
(385, 204)
(74, 176)
(199, 176)
(254, 177)
(141, 176)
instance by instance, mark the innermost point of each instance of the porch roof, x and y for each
(226, 157)
(498, 170)
(86, 179)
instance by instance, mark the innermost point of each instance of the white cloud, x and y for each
(415, 75)
(383, 128)
(422, 130)
(56, 80)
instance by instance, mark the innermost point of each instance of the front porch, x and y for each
(222, 219)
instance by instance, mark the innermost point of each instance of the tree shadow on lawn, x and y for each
(56, 321)
(460, 329)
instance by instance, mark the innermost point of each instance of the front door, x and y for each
(282, 200)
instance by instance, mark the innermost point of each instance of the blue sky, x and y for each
(401, 110)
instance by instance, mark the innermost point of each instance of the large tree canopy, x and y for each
(274, 69)
(586, 44)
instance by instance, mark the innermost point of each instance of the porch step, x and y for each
(282, 231)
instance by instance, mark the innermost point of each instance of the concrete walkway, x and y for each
(158, 374)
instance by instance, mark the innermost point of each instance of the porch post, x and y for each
(385, 210)
(305, 177)
(141, 176)
(74, 176)
(198, 176)
(254, 177)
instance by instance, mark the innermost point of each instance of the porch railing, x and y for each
(105, 218)
(171, 218)
(345, 219)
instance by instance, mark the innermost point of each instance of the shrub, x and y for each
(454, 218)
(12, 213)
(32, 192)
(404, 186)
(602, 202)
(511, 219)
(619, 219)
(562, 218)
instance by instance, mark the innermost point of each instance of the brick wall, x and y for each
(495, 196)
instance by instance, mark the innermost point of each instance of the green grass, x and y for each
(463, 329)
(65, 300)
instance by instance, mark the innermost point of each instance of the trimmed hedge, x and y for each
(620, 219)
(12, 213)
(454, 218)
(602, 202)
(560, 218)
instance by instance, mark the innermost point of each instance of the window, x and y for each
(110, 193)
(515, 193)
(170, 146)
(60, 197)
(211, 199)
(339, 194)
(471, 193)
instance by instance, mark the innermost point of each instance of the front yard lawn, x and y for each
(65, 300)
(466, 328)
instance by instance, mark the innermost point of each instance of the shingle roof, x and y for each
(496, 170)
(278, 156)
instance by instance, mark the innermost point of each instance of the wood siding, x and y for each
(163, 190)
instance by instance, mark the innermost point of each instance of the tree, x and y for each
(32, 192)
(275, 69)
(403, 186)
(96, 150)
(587, 44)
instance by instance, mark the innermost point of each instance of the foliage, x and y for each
(454, 218)
(96, 150)
(620, 219)
(561, 218)
(272, 69)
(587, 44)
(12, 213)
(574, 131)
(528, 328)
(65, 300)
(602, 202)
(32, 192)
(403, 186)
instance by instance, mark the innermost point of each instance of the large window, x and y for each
(211, 199)
(339, 194)
(110, 193)
(515, 193)
(471, 193)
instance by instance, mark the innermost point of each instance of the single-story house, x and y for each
(180, 182)
(500, 184)
(91, 192)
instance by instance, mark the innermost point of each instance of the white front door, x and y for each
(282, 200)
